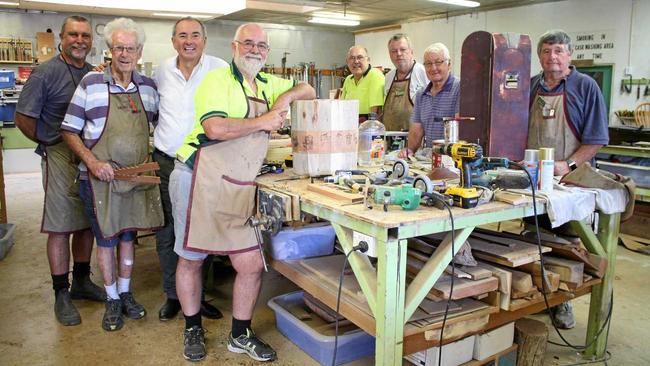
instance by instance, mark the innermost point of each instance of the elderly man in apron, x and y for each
(402, 83)
(39, 113)
(212, 187)
(567, 113)
(107, 126)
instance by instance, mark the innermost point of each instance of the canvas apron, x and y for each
(550, 126)
(62, 210)
(398, 105)
(223, 191)
(120, 205)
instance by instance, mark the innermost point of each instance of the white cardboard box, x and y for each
(494, 341)
(453, 354)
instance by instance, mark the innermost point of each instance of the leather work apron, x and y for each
(121, 205)
(63, 209)
(223, 191)
(550, 126)
(398, 105)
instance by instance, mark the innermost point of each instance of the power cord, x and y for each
(361, 247)
(451, 287)
(607, 322)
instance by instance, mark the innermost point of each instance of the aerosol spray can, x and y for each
(531, 163)
(451, 130)
(546, 166)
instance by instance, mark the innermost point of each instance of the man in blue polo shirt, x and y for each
(567, 113)
(439, 99)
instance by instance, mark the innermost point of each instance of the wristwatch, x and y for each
(572, 164)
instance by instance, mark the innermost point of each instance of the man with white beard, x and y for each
(212, 187)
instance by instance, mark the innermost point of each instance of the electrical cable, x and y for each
(543, 278)
(362, 247)
(451, 287)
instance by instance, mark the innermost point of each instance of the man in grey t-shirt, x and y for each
(42, 105)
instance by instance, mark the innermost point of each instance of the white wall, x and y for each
(625, 19)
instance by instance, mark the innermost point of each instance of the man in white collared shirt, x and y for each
(177, 79)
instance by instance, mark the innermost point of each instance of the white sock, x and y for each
(123, 284)
(111, 291)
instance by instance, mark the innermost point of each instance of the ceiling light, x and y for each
(8, 3)
(469, 4)
(183, 15)
(198, 7)
(331, 14)
(334, 21)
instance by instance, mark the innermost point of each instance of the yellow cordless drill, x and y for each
(463, 154)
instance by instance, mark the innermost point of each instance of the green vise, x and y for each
(407, 196)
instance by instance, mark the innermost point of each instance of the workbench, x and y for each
(390, 302)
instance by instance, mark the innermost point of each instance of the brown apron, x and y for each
(398, 105)
(63, 209)
(223, 191)
(549, 125)
(121, 205)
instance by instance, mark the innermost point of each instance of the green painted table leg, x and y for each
(391, 277)
(601, 293)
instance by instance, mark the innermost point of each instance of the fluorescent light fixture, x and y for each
(331, 14)
(183, 15)
(300, 8)
(334, 21)
(194, 7)
(8, 3)
(469, 4)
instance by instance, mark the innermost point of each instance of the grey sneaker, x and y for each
(249, 343)
(194, 344)
(65, 311)
(84, 288)
(112, 319)
(562, 316)
(130, 307)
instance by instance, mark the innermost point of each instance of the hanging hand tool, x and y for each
(638, 90)
(464, 155)
(646, 92)
(131, 173)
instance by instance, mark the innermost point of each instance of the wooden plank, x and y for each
(569, 271)
(505, 283)
(552, 279)
(438, 307)
(514, 199)
(463, 288)
(328, 269)
(335, 193)
(513, 255)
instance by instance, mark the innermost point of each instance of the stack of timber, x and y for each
(509, 252)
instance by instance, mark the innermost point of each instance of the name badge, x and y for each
(548, 112)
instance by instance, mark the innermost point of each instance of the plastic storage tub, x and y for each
(351, 346)
(7, 79)
(308, 241)
(7, 111)
(6, 238)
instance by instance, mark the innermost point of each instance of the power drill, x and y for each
(464, 155)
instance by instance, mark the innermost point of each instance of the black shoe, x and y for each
(254, 347)
(130, 307)
(65, 311)
(194, 344)
(170, 308)
(210, 311)
(84, 288)
(112, 319)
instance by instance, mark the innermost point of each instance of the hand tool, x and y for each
(131, 173)
(405, 195)
(463, 154)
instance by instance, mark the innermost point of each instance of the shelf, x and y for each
(17, 62)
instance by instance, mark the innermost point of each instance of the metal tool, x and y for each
(437, 200)
(406, 196)
(269, 221)
(464, 155)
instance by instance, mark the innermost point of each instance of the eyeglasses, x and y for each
(248, 45)
(128, 49)
(436, 63)
(357, 58)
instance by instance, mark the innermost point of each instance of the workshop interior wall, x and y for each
(626, 19)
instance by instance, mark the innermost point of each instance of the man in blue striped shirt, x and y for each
(439, 99)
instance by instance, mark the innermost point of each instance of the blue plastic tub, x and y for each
(308, 241)
(351, 346)
(7, 79)
(7, 111)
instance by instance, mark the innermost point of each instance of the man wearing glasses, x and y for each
(177, 79)
(439, 99)
(366, 84)
(212, 187)
(39, 114)
(107, 126)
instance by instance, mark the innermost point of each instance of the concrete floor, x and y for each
(30, 334)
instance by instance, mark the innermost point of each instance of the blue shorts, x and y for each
(87, 197)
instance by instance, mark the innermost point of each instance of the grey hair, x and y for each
(241, 27)
(73, 18)
(123, 24)
(355, 46)
(438, 48)
(189, 19)
(398, 36)
(554, 36)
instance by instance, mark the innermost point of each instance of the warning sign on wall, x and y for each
(594, 45)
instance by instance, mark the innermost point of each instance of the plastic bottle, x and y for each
(371, 142)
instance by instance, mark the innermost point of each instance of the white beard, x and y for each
(249, 66)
